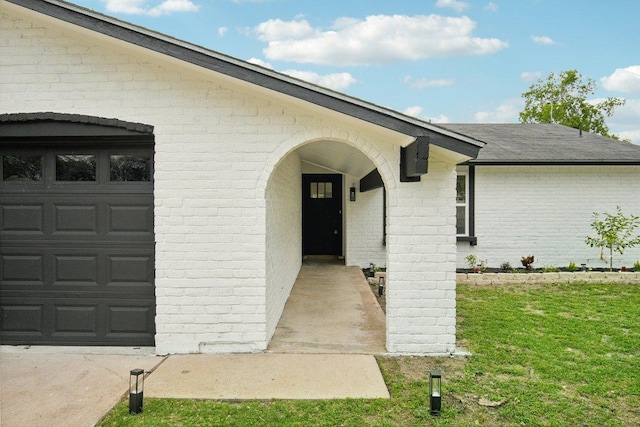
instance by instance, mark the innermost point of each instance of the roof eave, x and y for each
(252, 73)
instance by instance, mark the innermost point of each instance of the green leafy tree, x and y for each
(614, 232)
(562, 99)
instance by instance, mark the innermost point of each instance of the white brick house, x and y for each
(533, 190)
(151, 191)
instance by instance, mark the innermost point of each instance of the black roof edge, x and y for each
(76, 119)
(251, 73)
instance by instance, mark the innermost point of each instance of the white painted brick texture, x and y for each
(421, 305)
(364, 230)
(546, 211)
(284, 237)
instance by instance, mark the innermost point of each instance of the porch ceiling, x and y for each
(337, 156)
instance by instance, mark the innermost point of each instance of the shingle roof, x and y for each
(252, 73)
(535, 143)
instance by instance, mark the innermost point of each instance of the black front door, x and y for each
(321, 214)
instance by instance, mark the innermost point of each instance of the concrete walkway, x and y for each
(331, 309)
(267, 376)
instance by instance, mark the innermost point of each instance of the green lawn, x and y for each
(548, 355)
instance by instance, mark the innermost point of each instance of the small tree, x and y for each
(614, 232)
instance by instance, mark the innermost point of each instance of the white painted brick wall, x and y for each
(284, 239)
(421, 305)
(217, 143)
(364, 231)
(546, 211)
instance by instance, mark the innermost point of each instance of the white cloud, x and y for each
(139, 7)
(222, 31)
(424, 83)
(625, 121)
(275, 30)
(530, 76)
(260, 62)
(507, 112)
(378, 39)
(631, 135)
(491, 7)
(416, 111)
(456, 5)
(543, 40)
(335, 81)
(623, 80)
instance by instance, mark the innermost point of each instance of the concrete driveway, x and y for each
(65, 386)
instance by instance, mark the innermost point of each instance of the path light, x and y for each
(136, 390)
(381, 286)
(435, 392)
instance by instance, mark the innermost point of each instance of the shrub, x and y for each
(636, 266)
(505, 267)
(471, 260)
(527, 261)
(573, 267)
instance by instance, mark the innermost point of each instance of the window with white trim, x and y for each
(462, 204)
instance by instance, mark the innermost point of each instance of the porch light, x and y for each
(435, 392)
(136, 389)
(352, 194)
(381, 286)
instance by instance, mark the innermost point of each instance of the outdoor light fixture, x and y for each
(381, 286)
(136, 389)
(352, 194)
(435, 392)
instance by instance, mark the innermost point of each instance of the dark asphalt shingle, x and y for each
(516, 143)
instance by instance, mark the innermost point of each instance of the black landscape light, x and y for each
(381, 286)
(136, 390)
(435, 392)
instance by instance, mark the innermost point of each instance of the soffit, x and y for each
(337, 157)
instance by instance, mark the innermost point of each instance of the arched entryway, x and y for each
(331, 308)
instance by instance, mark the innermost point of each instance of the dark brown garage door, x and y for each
(77, 244)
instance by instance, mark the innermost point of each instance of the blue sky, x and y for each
(458, 61)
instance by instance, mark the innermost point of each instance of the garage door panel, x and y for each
(23, 219)
(76, 219)
(22, 319)
(22, 270)
(129, 320)
(76, 270)
(77, 256)
(129, 220)
(133, 270)
(95, 218)
(76, 319)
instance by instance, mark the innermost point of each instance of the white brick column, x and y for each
(421, 288)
